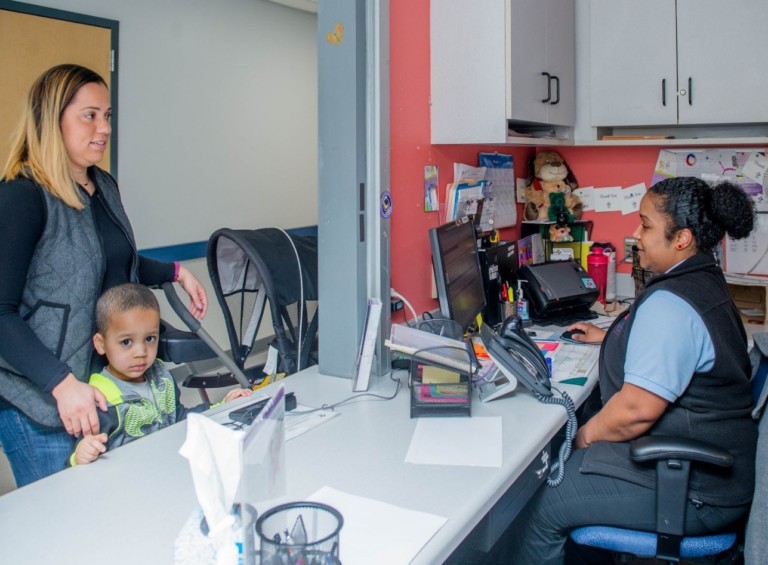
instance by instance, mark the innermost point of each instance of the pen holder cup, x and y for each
(508, 309)
(300, 533)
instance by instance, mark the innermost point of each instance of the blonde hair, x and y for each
(38, 151)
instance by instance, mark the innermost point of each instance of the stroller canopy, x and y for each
(252, 268)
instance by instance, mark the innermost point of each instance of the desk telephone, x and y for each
(518, 358)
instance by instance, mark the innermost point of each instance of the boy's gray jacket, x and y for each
(63, 283)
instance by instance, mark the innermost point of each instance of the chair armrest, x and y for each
(673, 457)
(653, 448)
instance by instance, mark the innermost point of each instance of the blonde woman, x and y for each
(64, 239)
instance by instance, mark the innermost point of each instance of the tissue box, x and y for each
(191, 546)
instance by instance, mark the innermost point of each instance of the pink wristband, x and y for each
(176, 267)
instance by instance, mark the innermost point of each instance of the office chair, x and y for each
(674, 457)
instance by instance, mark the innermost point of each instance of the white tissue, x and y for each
(214, 456)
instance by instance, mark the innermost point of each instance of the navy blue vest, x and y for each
(716, 406)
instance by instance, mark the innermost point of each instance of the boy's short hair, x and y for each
(122, 298)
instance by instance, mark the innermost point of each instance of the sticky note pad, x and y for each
(437, 375)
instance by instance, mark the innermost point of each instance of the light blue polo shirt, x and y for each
(681, 343)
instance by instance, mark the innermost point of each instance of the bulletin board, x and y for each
(745, 168)
(749, 256)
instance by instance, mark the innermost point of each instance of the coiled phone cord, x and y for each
(557, 471)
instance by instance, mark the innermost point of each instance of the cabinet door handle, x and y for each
(549, 86)
(663, 92)
(557, 84)
(690, 91)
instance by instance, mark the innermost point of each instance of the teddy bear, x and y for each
(550, 175)
(560, 232)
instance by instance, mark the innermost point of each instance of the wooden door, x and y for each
(31, 43)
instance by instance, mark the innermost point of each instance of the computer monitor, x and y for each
(458, 277)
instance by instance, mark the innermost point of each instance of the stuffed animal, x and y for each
(550, 174)
(560, 232)
(558, 210)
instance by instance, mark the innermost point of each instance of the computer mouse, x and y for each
(568, 334)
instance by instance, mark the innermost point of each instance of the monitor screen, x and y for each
(457, 271)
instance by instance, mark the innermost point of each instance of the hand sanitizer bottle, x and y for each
(522, 303)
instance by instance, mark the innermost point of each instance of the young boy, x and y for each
(142, 395)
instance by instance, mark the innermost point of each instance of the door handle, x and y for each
(663, 92)
(690, 91)
(549, 86)
(557, 85)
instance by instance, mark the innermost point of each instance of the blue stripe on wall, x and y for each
(198, 249)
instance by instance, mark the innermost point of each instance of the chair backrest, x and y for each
(757, 524)
(255, 269)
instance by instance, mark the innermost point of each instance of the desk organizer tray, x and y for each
(439, 391)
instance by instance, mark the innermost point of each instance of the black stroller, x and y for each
(250, 269)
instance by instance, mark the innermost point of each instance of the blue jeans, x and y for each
(34, 451)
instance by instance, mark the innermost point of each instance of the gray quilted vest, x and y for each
(58, 303)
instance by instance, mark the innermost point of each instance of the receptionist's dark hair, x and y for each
(709, 212)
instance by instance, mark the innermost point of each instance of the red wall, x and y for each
(411, 150)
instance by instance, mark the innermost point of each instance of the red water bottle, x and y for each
(597, 267)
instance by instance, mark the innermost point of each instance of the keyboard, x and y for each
(566, 319)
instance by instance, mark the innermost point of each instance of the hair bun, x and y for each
(731, 207)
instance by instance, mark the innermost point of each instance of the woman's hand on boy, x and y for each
(76, 403)
(89, 448)
(237, 393)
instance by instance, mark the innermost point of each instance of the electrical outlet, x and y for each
(628, 243)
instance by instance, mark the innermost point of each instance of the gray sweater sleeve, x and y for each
(23, 212)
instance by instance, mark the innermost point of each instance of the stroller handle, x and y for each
(186, 316)
(194, 325)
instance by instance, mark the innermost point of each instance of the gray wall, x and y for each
(217, 114)
(217, 121)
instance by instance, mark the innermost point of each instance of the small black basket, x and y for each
(439, 391)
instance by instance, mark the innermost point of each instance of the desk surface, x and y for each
(143, 491)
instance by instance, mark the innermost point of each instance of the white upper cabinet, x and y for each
(542, 68)
(678, 62)
(500, 61)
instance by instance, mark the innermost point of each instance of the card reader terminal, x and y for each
(247, 414)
